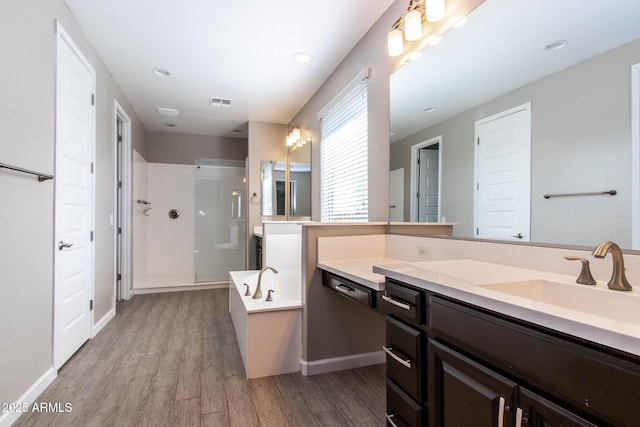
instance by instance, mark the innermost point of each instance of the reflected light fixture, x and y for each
(294, 138)
(417, 12)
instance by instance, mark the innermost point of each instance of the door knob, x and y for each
(518, 236)
(62, 245)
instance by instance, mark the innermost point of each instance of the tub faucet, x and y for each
(258, 293)
(618, 280)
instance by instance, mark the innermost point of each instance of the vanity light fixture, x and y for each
(412, 19)
(294, 138)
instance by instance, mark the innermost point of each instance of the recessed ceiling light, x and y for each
(169, 112)
(430, 109)
(161, 72)
(171, 125)
(556, 45)
(302, 57)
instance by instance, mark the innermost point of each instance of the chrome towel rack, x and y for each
(41, 176)
(591, 193)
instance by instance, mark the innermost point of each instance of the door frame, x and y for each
(125, 209)
(63, 37)
(635, 156)
(415, 149)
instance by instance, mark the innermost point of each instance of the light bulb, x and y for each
(435, 10)
(395, 45)
(413, 25)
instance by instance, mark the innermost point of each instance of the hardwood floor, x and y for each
(173, 360)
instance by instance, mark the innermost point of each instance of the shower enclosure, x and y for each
(189, 224)
(220, 223)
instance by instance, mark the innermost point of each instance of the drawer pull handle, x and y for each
(389, 416)
(518, 417)
(343, 288)
(389, 351)
(501, 412)
(396, 303)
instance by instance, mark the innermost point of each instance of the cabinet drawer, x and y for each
(402, 411)
(581, 377)
(349, 289)
(406, 357)
(405, 302)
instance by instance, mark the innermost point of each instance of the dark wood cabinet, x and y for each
(464, 393)
(456, 364)
(406, 349)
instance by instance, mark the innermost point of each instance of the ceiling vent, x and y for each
(219, 102)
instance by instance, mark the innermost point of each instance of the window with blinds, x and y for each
(343, 155)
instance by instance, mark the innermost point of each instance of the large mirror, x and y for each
(568, 65)
(286, 185)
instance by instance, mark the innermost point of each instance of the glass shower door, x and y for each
(220, 219)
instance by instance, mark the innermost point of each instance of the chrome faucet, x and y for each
(258, 293)
(618, 280)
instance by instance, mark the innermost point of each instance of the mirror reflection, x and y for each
(286, 185)
(551, 107)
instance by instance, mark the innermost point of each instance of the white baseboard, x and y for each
(142, 291)
(29, 396)
(323, 366)
(97, 327)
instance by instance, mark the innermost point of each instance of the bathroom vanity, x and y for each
(460, 355)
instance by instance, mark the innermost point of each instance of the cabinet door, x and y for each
(539, 412)
(466, 394)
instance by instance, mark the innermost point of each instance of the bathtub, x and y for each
(269, 333)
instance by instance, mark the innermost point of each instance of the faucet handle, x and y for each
(269, 297)
(247, 292)
(585, 277)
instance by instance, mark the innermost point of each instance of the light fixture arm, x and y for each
(413, 5)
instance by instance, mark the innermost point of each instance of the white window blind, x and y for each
(343, 155)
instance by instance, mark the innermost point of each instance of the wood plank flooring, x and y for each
(173, 360)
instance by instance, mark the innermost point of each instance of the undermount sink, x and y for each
(614, 305)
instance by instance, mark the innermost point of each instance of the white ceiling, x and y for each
(501, 48)
(240, 50)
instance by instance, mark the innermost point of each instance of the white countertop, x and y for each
(460, 279)
(359, 270)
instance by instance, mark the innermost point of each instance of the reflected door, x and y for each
(503, 175)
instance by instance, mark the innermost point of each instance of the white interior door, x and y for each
(74, 199)
(503, 175)
(428, 187)
(396, 195)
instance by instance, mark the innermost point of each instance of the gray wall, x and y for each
(369, 52)
(580, 142)
(180, 148)
(27, 53)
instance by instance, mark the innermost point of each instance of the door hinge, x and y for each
(478, 141)
(119, 184)
(119, 138)
(119, 230)
(93, 99)
(478, 186)
(91, 305)
(91, 167)
(91, 236)
(119, 276)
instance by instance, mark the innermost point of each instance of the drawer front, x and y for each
(349, 289)
(405, 356)
(592, 381)
(402, 411)
(405, 302)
